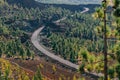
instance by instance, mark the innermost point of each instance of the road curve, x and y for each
(85, 10)
(36, 43)
(35, 40)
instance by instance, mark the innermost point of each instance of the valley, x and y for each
(59, 40)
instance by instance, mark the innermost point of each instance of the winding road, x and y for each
(84, 11)
(35, 41)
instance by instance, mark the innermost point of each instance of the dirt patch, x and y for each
(47, 69)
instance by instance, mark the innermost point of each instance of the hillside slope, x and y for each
(26, 3)
(12, 71)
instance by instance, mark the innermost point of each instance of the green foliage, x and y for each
(116, 3)
(13, 26)
(111, 72)
(117, 12)
(100, 13)
(81, 68)
(9, 71)
(101, 78)
(117, 52)
(38, 75)
(89, 67)
(26, 78)
(79, 31)
(118, 55)
(118, 70)
(75, 35)
(84, 54)
(4, 30)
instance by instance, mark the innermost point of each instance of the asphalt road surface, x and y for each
(35, 41)
(39, 46)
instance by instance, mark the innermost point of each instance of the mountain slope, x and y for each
(71, 1)
(26, 3)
